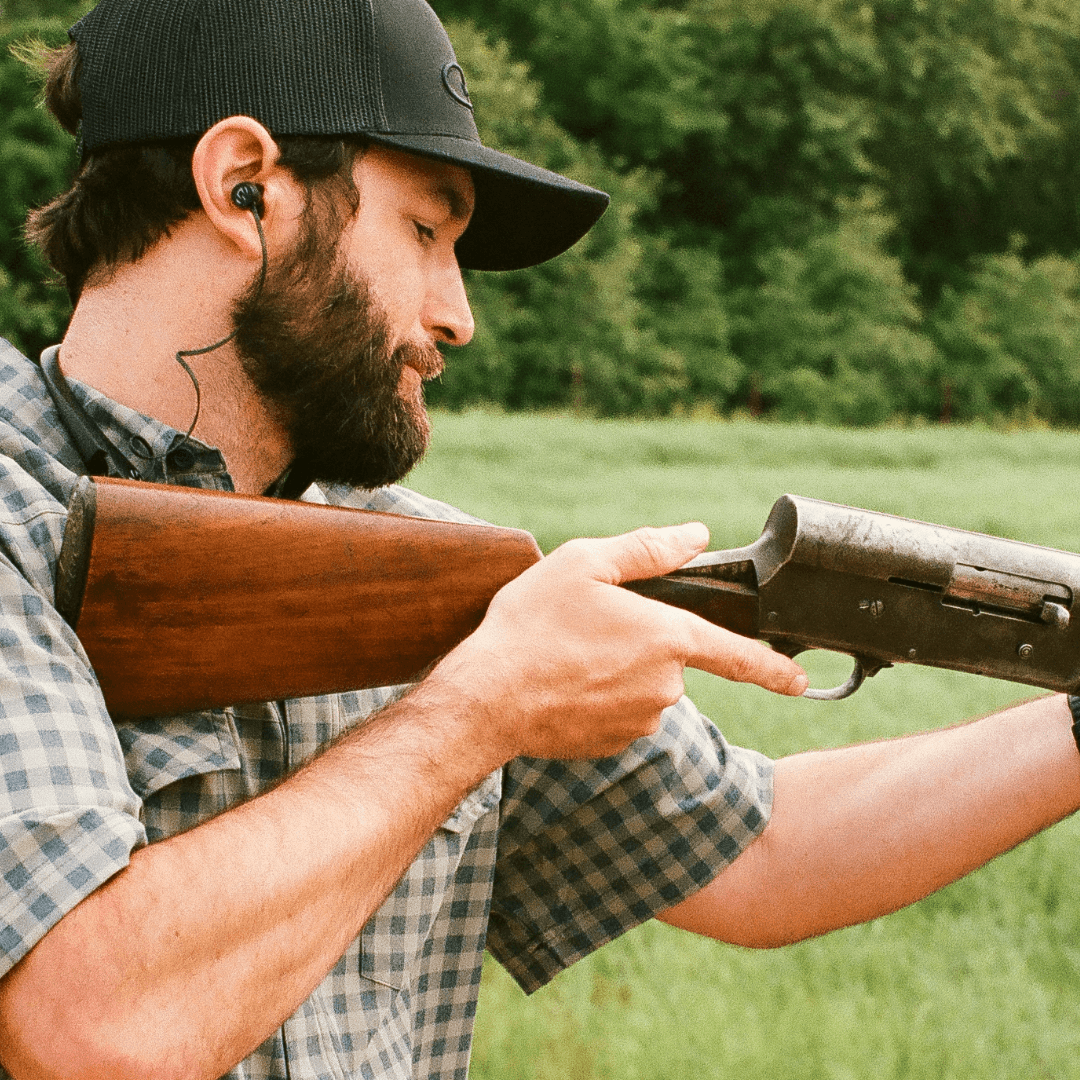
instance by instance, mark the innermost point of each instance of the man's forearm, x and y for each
(189, 958)
(861, 831)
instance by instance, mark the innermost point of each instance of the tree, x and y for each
(36, 161)
(834, 333)
(570, 332)
(1010, 338)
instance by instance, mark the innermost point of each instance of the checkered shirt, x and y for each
(542, 863)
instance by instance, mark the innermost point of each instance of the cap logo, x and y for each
(454, 80)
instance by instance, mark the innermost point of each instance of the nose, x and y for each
(448, 316)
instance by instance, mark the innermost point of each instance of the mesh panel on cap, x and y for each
(160, 69)
(155, 69)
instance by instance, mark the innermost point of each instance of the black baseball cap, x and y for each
(384, 69)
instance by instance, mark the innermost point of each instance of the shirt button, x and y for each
(181, 459)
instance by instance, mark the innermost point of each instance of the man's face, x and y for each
(412, 213)
(344, 332)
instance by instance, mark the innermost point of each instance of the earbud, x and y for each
(248, 196)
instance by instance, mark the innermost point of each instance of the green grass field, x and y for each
(979, 981)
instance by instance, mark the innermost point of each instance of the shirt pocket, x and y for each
(196, 752)
(163, 749)
(392, 939)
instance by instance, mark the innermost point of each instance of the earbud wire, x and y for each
(225, 340)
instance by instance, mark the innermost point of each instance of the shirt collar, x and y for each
(115, 440)
(119, 441)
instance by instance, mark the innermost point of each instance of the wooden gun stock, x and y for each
(189, 599)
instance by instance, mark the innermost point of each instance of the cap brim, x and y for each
(524, 214)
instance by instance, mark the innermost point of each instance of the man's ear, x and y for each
(237, 150)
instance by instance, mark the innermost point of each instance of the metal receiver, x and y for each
(887, 590)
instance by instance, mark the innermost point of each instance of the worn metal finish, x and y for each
(888, 590)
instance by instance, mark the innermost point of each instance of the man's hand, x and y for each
(567, 664)
(251, 908)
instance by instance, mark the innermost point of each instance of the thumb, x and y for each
(646, 553)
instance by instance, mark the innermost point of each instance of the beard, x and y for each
(317, 346)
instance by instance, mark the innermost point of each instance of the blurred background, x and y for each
(832, 210)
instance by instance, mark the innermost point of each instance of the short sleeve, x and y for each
(68, 815)
(590, 849)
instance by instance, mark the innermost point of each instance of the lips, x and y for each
(425, 360)
(410, 382)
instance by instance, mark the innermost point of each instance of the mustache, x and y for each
(424, 359)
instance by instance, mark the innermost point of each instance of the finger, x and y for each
(646, 553)
(740, 659)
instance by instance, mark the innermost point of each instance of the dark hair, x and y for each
(125, 198)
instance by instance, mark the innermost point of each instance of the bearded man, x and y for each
(263, 242)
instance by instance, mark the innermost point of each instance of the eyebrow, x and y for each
(450, 194)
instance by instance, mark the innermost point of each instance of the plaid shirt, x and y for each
(542, 863)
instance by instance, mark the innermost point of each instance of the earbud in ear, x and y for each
(248, 196)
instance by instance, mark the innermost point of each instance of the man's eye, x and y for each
(425, 232)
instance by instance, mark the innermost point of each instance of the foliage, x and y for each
(36, 160)
(1010, 339)
(832, 334)
(833, 209)
(684, 292)
(977, 128)
(773, 126)
(571, 332)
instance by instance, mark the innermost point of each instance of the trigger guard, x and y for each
(838, 693)
(857, 677)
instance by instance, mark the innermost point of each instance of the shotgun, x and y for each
(187, 599)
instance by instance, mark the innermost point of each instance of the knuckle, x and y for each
(575, 555)
(651, 543)
(579, 545)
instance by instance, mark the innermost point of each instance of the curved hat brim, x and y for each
(524, 214)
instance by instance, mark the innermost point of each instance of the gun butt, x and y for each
(187, 599)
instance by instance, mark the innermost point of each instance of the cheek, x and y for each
(401, 312)
(396, 283)
(385, 252)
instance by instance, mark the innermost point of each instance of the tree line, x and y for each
(831, 210)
